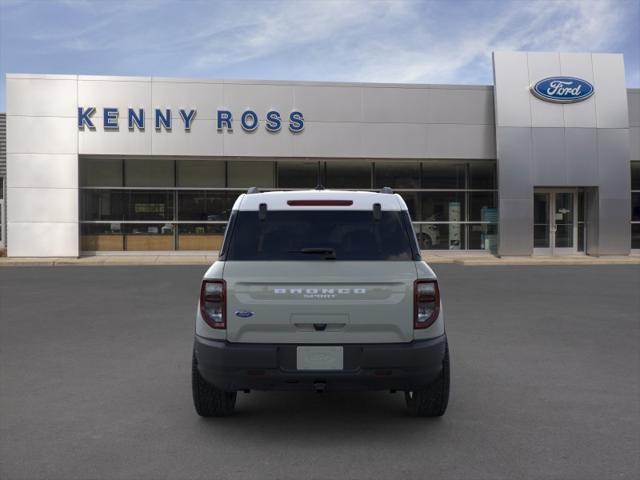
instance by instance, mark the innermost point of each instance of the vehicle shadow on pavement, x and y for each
(328, 416)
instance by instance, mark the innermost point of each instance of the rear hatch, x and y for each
(320, 276)
(314, 302)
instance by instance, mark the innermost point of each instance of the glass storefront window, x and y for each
(298, 174)
(198, 194)
(635, 206)
(200, 236)
(412, 201)
(200, 173)
(251, 174)
(635, 236)
(397, 175)
(101, 172)
(442, 207)
(482, 206)
(96, 237)
(149, 173)
(441, 236)
(635, 175)
(443, 175)
(149, 237)
(205, 205)
(354, 174)
(482, 237)
(150, 205)
(103, 205)
(482, 176)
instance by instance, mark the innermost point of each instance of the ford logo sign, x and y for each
(244, 313)
(562, 89)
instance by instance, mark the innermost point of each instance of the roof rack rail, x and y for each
(253, 190)
(386, 190)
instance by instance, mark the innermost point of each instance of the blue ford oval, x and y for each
(244, 313)
(562, 89)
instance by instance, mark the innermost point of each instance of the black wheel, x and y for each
(208, 400)
(431, 401)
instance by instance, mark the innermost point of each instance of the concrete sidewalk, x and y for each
(432, 258)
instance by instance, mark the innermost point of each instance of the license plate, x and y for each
(320, 358)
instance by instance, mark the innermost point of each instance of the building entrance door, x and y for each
(555, 226)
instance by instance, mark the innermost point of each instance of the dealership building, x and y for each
(546, 161)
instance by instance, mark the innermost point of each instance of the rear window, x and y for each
(320, 235)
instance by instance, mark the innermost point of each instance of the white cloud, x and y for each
(403, 41)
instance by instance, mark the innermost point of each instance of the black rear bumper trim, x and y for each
(380, 366)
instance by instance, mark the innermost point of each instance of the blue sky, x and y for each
(354, 40)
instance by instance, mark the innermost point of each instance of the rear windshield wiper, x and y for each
(330, 253)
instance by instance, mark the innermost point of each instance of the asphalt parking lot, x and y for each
(95, 384)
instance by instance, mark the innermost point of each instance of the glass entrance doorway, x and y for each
(555, 222)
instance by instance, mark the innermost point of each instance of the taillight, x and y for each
(426, 303)
(213, 295)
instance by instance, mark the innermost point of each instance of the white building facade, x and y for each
(111, 165)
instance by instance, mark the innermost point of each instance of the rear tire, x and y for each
(431, 401)
(208, 400)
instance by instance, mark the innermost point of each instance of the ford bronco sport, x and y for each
(320, 290)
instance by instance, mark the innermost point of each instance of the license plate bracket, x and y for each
(320, 358)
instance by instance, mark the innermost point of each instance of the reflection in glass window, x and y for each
(103, 205)
(200, 237)
(205, 205)
(200, 173)
(635, 236)
(149, 173)
(298, 174)
(251, 174)
(150, 205)
(482, 206)
(635, 207)
(355, 174)
(482, 175)
(635, 175)
(411, 199)
(441, 236)
(100, 172)
(482, 237)
(443, 175)
(442, 206)
(397, 175)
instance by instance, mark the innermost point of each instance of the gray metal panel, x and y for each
(633, 99)
(549, 157)
(612, 110)
(389, 140)
(461, 106)
(614, 236)
(395, 105)
(613, 164)
(461, 141)
(511, 79)
(582, 157)
(581, 114)
(516, 226)
(515, 172)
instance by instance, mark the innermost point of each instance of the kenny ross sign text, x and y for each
(163, 119)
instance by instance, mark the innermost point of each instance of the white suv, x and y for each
(320, 290)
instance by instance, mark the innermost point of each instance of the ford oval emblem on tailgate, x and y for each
(244, 313)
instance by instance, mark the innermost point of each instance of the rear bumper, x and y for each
(396, 366)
